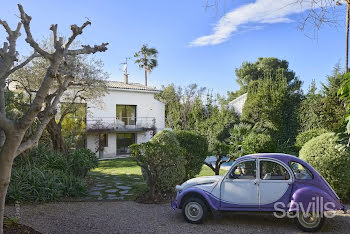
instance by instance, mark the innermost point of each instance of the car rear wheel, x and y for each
(194, 210)
(309, 222)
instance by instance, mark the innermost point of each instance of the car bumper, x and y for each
(173, 203)
(345, 209)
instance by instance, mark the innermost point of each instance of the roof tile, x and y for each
(133, 86)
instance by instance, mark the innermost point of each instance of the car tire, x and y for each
(309, 222)
(194, 210)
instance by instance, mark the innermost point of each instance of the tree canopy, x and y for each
(269, 68)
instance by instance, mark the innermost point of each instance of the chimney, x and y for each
(126, 78)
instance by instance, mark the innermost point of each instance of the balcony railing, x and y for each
(120, 123)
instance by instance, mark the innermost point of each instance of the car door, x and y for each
(239, 188)
(275, 182)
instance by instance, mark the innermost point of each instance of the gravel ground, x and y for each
(131, 217)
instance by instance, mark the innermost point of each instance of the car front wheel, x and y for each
(194, 210)
(309, 222)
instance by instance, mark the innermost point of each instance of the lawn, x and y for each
(121, 179)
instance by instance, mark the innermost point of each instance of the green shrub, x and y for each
(331, 159)
(258, 143)
(45, 175)
(162, 163)
(42, 156)
(31, 183)
(286, 148)
(165, 137)
(304, 137)
(174, 173)
(82, 161)
(195, 151)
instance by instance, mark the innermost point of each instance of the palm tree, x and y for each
(147, 59)
(237, 135)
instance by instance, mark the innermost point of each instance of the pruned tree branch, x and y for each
(25, 19)
(21, 65)
(6, 26)
(39, 98)
(9, 31)
(76, 30)
(8, 54)
(88, 49)
(34, 140)
(53, 28)
(48, 115)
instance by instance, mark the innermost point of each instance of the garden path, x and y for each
(115, 186)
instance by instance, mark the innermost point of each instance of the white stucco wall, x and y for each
(238, 103)
(146, 106)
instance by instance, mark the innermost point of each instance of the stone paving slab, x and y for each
(113, 187)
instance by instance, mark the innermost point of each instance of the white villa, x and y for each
(238, 103)
(128, 114)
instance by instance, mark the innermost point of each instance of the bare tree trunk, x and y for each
(347, 36)
(2, 110)
(217, 170)
(55, 132)
(145, 76)
(6, 160)
(218, 165)
(2, 138)
(5, 176)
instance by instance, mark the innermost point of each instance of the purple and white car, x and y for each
(271, 182)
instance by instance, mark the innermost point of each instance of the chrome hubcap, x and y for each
(193, 211)
(309, 220)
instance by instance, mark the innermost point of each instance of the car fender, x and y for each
(313, 199)
(211, 201)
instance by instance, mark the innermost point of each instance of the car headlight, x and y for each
(178, 188)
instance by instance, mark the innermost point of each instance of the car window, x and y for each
(300, 172)
(273, 171)
(244, 171)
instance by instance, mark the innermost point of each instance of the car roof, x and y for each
(279, 156)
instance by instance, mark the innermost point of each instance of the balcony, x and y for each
(123, 124)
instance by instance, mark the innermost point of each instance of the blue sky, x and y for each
(195, 45)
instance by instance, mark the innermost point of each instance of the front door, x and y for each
(124, 140)
(240, 189)
(275, 183)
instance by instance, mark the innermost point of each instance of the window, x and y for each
(104, 140)
(300, 172)
(244, 171)
(273, 171)
(124, 140)
(127, 114)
